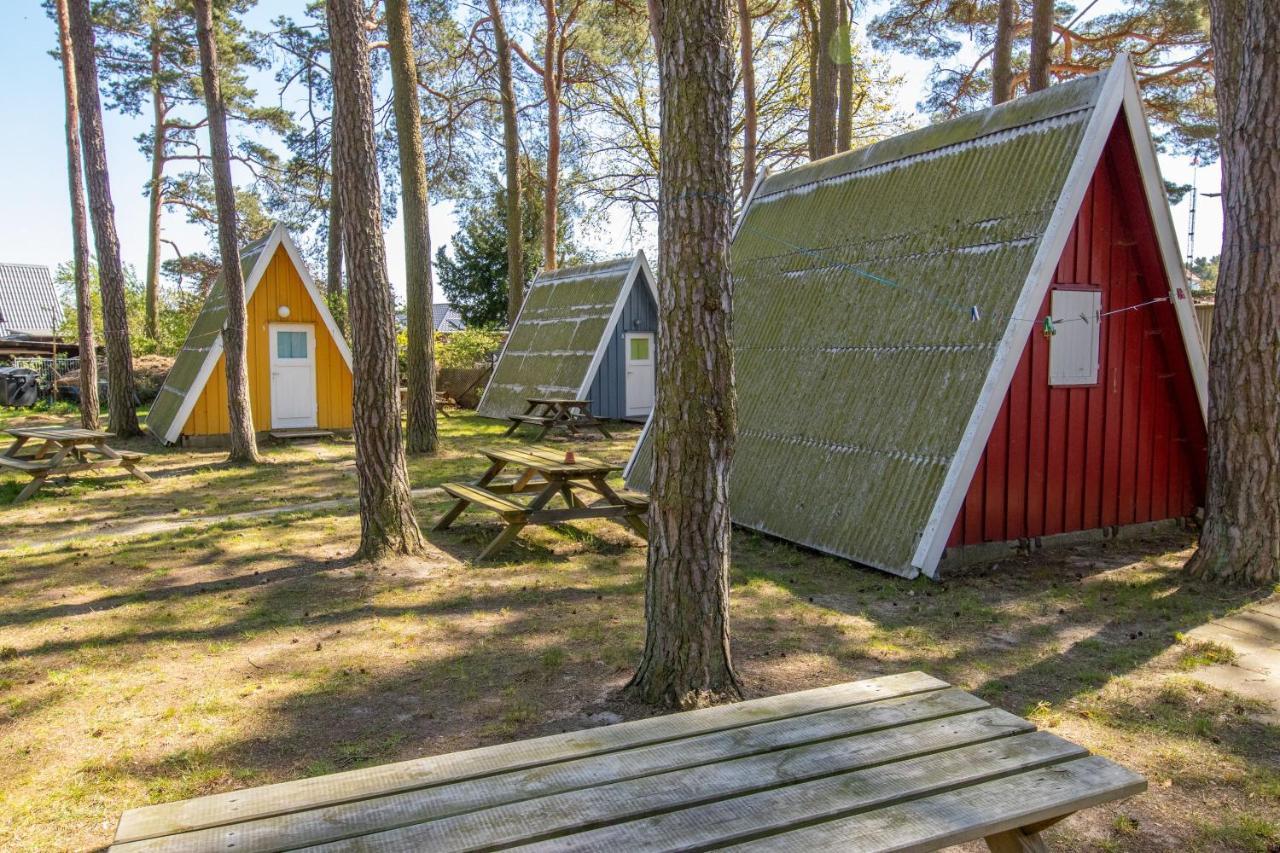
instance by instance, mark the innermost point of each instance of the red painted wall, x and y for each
(1129, 449)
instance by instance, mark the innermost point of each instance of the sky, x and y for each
(35, 216)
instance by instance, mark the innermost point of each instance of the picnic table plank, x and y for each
(901, 762)
(354, 785)
(525, 805)
(741, 818)
(944, 819)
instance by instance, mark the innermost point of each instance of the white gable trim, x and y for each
(639, 269)
(1167, 242)
(933, 538)
(279, 237)
(635, 451)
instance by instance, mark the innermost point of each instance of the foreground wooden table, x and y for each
(904, 762)
(557, 413)
(543, 474)
(64, 450)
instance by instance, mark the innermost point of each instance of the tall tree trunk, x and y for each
(1041, 44)
(809, 28)
(1002, 53)
(115, 315)
(79, 232)
(511, 154)
(387, 524)
(746, 55)
(154, 194)
(844, 123)
(686, 656)
(421, 434)
(235, 338)
(824, 95)
(551, 89)
(333, 257)
(1241, 538)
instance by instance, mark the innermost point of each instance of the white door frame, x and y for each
(653, 371)
(276, 361)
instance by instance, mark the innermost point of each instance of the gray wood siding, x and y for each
(608, 393)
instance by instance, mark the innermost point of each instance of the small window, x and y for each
(291, 344)
(639, 348)
(1073, 349)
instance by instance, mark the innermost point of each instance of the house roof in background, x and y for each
(445, 318)
(880, 298)
(29, 302)
(559, 336)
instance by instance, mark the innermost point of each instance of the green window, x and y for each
(639, 348)
(291, 344)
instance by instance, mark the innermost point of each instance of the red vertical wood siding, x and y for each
(1129, 449)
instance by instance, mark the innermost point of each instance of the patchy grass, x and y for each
(1204, 653)
(203, 657)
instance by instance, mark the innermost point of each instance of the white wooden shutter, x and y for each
(1073, 351)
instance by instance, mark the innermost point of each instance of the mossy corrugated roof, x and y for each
(871, 291)
(554, 341)
(205, 333)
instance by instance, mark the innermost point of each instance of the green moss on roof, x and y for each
(205, 333)
(550, 349)
(858, 358)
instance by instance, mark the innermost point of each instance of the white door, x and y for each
(640, 372)
(293, 375)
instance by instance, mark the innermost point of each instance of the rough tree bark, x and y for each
(553, 73)
(115, 316)
(511, 155)
(1041, 45)
(746, 56)
(235, 337)
(1241, 537)
(155, 196)
(1002, 53)
(844, 121)
(333, 257)
(79, 232)
(420, 361)
(387, 523)
(686, 657)
(824, 93)
(809, 29)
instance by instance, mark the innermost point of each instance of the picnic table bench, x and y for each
(544, 474)
(550, 413)
(64, 450)
(903, 762)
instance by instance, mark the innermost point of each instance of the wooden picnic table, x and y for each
(562, 413)
(543, 475)
(902, 762)
(64, 450)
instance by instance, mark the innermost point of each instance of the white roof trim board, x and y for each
(638, 269)
(1118, 95)
(279, 237)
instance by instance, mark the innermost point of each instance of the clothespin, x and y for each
(1048, 328)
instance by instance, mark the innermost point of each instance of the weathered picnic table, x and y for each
(550, 413)
(903, 762)
(544, 474)
(64, 450)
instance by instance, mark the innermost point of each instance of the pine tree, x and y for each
(686, 657)
(387, 523)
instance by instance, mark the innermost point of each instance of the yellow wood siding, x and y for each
(280, 285)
